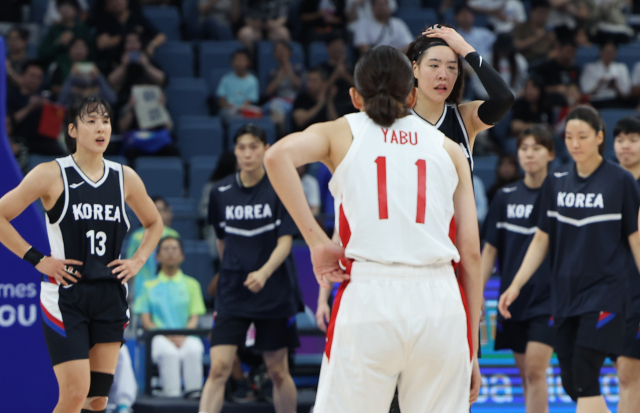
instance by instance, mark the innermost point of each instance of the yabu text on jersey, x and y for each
(400, 137)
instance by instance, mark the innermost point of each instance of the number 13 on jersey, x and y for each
(383, 211)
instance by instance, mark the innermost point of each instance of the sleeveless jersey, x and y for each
(451, 124)
(88, 223)
(393, 193)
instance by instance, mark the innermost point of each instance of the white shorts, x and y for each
(397, 325)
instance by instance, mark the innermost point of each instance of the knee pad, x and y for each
(586, 371)
(100, 384)
(566, 374)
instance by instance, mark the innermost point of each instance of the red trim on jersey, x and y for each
(345, 236)
(51, 317)
(466, 311)
(383, 211)
(452, 236)
(422, 191)
(334, 314)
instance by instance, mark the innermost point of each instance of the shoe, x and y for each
(193, 395)
(243, 393)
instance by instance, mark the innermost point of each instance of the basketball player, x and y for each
(627, 147)
(588, 221)
(83, 291)
(399, 316)
(256, 286)
(508, 230)
(439, 73)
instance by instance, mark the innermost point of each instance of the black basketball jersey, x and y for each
(452, 125)
(88, 223)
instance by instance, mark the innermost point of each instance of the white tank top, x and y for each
(393, 194)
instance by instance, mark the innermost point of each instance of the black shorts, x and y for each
(76, 318)
(601, 331)
(631, 346)
(271, 333)
(514, 335)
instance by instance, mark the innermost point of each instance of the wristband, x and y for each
(33, 256)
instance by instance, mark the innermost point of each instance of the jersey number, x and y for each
(383, 212)
(101, 237)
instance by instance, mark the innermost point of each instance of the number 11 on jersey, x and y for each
(383, 212)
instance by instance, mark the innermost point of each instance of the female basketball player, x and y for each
(508, 230)
(439, 74)
(83, 289)
(588, 221)
(627, 147)
(398, 318)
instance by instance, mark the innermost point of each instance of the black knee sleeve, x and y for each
(587, 363)
(566, 374)
(100, 384)
(93, 411)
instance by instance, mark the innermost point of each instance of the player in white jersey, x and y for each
(399, 318)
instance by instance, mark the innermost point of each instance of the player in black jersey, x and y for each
(439, 73)
(508, 230)
(83, 288)
(627, 147)
(588, 222)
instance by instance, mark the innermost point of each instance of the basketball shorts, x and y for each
(395, 325)
(271, 333)
(77, 317)
(602, 331)
(515, 334)
(631, 345)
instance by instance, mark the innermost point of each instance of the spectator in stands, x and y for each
(238, 89)
(135, 67)
(382, 30)
(357, 10)
(284, 84)
(54, 15)
(173, 301)
(264, 19)
(16, 40)
(340, 72)
(479, 38)
(86, 80)
(58, 39)
(11, 10)
(531, 108)
(218, 18)
(511, 65)
(606, 81)
(316, 103)
(560, 70)
(25, 107)
(17, 147)
(635, 83)
(503, 15)
(321, 18)
(531, 38)
(607, 20)
(150, 268)
(77, 55)
(113, 26)
(570, 14)
(507, 172)
(311, 188)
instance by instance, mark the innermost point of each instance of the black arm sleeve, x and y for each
(500, 96)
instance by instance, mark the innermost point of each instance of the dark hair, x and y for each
(384, 78)
(335, 35)
(251, 129)
(160, 198)
(319, 69)
(78, 39)
(630, 124)
(168, 237)
(503, 46)
(72, 3)
(590, 116)
(31, 62)
(415, 52)
(512, 159)
(81, 108)
(241, 52)
(540, 134)
(540, 4)
(461, 7)
(282, 43)
(226, 166)
(22, 32)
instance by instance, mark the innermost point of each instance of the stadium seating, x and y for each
(185, 217)
(200, 169)
(213, 79)
(119, 159)
(176, 59)
(187, 96)
(191, 18)
(317, 53)
(165, 19)
(610, 117)
(199, 135)
(35, 160)
(266, 61)
(38, 10)
(586, 55)
(417, 19)
(199, 264)
(484, 167)
(162, 175)
(629, 54)
(264, 122)
(216, 55)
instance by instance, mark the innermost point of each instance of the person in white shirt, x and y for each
(382, 30)
(479, 38)
(606, 81)
(635, 81)
(503, 14)
(358, 10)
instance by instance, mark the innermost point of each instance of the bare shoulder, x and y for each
(132, 181)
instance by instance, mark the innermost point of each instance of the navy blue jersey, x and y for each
(250, 221)
(588, 221)
(634, 286)
(510, 226)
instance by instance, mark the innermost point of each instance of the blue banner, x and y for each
(27, 382)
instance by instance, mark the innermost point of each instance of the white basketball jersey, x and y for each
(394, 193)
